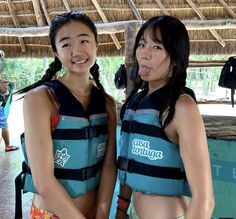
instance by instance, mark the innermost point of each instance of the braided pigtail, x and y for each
(94, 71)
(53, 68)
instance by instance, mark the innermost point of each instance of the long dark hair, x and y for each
(55, 66)
(175, 40)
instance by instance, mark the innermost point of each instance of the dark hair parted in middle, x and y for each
(175, 39)
(58, 22)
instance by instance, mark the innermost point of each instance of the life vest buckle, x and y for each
(84, 174)
(125, 164)
(88, 172)
(132, 126)
(91, 132)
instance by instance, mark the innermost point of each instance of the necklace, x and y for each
(79, 95)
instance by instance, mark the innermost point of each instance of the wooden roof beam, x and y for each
(103, 16)
(14, 18)
(209, 63)
(213, 32)
(162, 7)
(67, 6)
(118, 27)
(227, 8)
(135, 10)
(37, 11)
(45, 12)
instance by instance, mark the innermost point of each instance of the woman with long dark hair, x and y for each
(164, 160)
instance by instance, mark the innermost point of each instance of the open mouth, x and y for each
(144, 70)
(80, 61)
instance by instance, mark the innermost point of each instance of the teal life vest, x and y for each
(79, 142)
(149, 162)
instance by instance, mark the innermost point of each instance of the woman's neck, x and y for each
(79, 85)
(152, 89)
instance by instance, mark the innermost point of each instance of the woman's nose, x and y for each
(76, 49)
(146, 53)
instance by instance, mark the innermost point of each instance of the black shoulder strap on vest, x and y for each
(18, 195)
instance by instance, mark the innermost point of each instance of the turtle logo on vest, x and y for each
(61, 157)
(142, 148)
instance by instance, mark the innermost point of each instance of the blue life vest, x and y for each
(79, 142)
(149, 162)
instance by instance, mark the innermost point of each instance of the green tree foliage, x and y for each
(108, 67)
(204, 81)
(25, 71)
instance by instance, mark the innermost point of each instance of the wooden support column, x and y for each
(45, 12)
(130, 34)
(213, 32)
(135, 10)
(67, 6)
(103, 16)
(162, 7)
(227, 8)
(37, 11)
(16, 22)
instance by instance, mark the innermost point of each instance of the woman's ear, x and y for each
(56, 54)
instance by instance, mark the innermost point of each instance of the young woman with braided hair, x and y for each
(70, 127)
(164, 157)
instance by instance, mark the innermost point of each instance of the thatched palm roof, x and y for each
(24, 23)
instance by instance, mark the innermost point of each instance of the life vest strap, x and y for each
(73, 174)
(133, 166)
(83, 133)
(142, 128)
(18, 195)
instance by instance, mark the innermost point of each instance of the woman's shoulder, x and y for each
(38, 95)
(39, 98)
(186, 106)
(36, 92)
(185, 100)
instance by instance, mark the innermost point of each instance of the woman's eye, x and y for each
(156, 47)
(65, 45)
(140, 45)
(84, 41)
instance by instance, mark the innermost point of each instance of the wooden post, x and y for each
(130, 34)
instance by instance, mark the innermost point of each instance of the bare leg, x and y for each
(5, 136)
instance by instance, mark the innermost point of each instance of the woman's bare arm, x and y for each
(108, 176)
(194, 152)
(38, 110)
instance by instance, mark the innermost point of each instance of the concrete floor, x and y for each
(10, 165)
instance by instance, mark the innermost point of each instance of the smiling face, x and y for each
(76, 47)
(153, 60)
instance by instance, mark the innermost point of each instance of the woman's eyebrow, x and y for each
(63, 38)
(67, 37)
